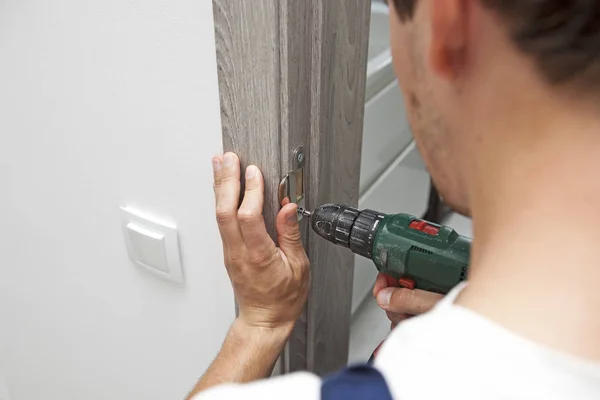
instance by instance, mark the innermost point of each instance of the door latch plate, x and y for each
(291, 187)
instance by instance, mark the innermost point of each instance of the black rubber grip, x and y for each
(363, 233)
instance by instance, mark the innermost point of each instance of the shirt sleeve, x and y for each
(298, 386)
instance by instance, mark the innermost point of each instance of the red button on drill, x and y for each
(431, 230)
(417, 225)
(424, 227)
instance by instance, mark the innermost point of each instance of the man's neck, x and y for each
(536, 213)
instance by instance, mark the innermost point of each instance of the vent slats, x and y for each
(420, 250)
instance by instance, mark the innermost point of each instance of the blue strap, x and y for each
(361, 382)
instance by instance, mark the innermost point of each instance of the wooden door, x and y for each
(292, 73)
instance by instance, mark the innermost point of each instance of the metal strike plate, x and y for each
(291, 188)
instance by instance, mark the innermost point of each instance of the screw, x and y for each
(300, 157)
(304, 213)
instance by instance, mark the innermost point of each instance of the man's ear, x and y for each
(449, 30)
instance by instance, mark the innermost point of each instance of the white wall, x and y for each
(103, 103)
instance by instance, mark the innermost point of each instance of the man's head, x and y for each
(457, 59)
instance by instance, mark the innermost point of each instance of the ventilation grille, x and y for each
(420, 250)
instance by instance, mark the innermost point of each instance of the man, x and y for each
(503, 98)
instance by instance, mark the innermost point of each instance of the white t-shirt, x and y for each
(451, 353)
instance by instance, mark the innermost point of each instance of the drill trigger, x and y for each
(407, 283)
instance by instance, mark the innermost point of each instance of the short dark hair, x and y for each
(563, 36)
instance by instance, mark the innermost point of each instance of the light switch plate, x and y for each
(152, 244)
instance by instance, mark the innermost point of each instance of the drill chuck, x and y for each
(347, 226)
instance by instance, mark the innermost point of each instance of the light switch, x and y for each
(152, 244)
(148, 246)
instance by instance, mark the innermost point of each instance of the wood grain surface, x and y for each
(291, 73)
(247, 43)
(339, 73)
(296, 44)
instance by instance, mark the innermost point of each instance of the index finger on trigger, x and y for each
(380, 283)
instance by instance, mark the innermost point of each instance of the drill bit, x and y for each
(304, 213)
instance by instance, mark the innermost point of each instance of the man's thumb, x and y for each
(288, 230)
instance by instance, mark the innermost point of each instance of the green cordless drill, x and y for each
(411, 252)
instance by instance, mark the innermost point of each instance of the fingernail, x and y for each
(216, 164)
(251, 172)
(229, 160)
(292, 217)
(384, 296)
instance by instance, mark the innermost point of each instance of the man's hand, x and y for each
(400, 303)
(270, 283)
